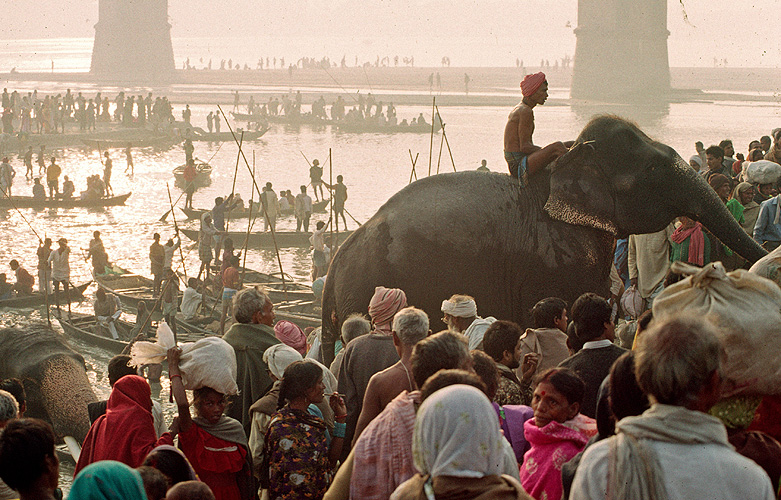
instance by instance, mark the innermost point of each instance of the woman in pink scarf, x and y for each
(557, 432)
(291, 334)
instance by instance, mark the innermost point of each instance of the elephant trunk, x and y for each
(704, 205)
(66, 392)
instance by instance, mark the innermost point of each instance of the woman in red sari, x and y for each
(215, 445)
(126, 432)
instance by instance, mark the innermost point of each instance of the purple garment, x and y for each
(511, 420)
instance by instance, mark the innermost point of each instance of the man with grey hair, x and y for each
(675, 449)
(410, 326)
(356, 325)
(250, 336)
(460, 316)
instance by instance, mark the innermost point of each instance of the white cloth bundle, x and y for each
(209, 362)
(746, 310)
(763, 172)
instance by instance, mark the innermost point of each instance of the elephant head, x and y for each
(54, 377)
(619, 180)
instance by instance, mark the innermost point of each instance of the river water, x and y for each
(374, 166)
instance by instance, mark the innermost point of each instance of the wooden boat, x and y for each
(138, 142)
(284, 239)
(289, 291)
(30, 202)
(202, 179)
(249, 135)
(37, 299)
(196, 213)
(131, 288)
(365, 127)
(83, 327)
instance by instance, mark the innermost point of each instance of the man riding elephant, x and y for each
(523, 157)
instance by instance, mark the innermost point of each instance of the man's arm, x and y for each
(759, 227)
(631, 259)
(525, 130)
(371, 407)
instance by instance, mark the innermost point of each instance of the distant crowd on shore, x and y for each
(32, 113)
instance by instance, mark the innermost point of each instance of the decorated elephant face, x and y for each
(618, 180)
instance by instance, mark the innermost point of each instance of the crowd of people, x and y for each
(32, 113)
(405, 414)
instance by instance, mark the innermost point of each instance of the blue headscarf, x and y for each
(107, 480)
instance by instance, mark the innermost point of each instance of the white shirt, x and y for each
(190, 300)
(690, 472)
(597, 344)
(168, 253)
(476, 331)
(303, 204)
(61, 270)
(318, 239)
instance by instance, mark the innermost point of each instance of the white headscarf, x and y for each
(280, 356)
(329, 380)
(456, 434)
(463, 309)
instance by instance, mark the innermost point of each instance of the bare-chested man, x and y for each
(523, 157)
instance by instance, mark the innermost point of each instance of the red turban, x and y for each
(292, 335)
(385, 303)
(532, 83)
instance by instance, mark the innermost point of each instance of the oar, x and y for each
(447, 143)
(431, 142)
(413, 166)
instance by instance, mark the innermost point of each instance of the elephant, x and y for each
(484, 235)
(53, 375)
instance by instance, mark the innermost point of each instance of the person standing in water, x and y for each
(523, 157)
(107, 166)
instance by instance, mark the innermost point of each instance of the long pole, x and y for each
(176, 227)
(413, 166)
(439, 158)
(331, 194)
(447, 143)
(265, 212)
(431, 142)
(235, 173)
(249, 224)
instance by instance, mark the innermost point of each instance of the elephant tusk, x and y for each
(73, 447)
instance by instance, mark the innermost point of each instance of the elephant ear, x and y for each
(581, 192)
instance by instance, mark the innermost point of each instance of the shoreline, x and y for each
(405, 85)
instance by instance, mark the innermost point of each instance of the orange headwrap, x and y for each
(531, 83)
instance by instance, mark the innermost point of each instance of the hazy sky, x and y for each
(745, 32)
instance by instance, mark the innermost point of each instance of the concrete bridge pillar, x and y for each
(133, 41)
(621, 50)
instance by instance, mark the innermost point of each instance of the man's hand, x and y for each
(174, 354)
(529, 367)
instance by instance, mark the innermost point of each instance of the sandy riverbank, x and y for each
(405, 85)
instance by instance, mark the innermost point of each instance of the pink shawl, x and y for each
(385, 303)
(696, 244)
(551, 447)
(291, 334)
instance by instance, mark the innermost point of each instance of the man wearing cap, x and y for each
(523, 157)
(460, 316)
(369, 354)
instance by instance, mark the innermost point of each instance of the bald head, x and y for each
(190, 490)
